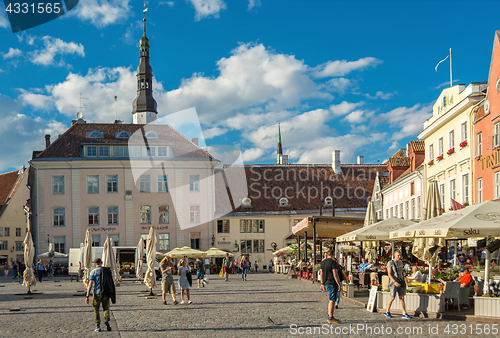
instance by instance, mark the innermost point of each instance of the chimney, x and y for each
(47, 140)
(195, 140)
(336, 162)
(284, 159)
(361, 160)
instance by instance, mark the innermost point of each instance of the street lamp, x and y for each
(213, 240)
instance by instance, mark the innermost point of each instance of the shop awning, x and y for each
(327, 226)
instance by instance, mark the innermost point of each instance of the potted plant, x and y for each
(440, 157)
(450, 151)
(431, 162)
(488, 305)
(463, 144)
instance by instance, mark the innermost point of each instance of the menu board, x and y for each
(373, 296)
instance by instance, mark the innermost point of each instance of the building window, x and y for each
(412, 188)
(431, 152)
(194, 183)
(463, 131)
(151, 134)
(4, 245)
(57, 185)
(386, 213)
(246, 246)
(441, 195)
(162, 183)
(496, 135)
(392, 212)
(163, 216)
(258, 225)
(396, 213)
(103, 151)
(195, 240)
(7, 231)
(440, 146)
(401, 211)
(121, 151)
(18, 232)
(122, 134)
(59, 217)
(465, 188)
(164, 242)
(1, 232)
(91, 151)
(479, 144)
(96, 240)
(223, 226)
(115, 239)
(145, 214)
(150, 151)
(145, 183)
(479, 190)
(451, 138)
(95, 134)
(112, 215)
(245, 225)
(407, 209)
(453, 195)
(418, 207)
(258, 245)
(413, 208)
(93, 184)
(194, 214)
(134, 151)
(19, 246)
(112, 183)
(93, 215)
(162, 151)
(496, 185)
(60, 244)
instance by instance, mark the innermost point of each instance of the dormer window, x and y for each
(122, 134)
(246, 202)
(283, 202)
(328, 201)
(95, 134)
(151, 134)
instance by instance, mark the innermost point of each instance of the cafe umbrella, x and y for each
(109, 259)
(87, 258)
(140, 261)
(29, 253)
(150, 276)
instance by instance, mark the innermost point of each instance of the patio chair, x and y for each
(385, 283)
(452, 291)
(424, 278)
(464, 296)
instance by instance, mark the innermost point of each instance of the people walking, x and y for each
(256, 265)
(40, 268)
(183, 280)
(15, 265)
(271, 266)
(330, 281)
(103, 288)
(226, 265)
(6, 270)
(244, 264)
(397, 284)
(167, 280)
(200, 272)
(342, 277)
(50, 269)
(236, 268)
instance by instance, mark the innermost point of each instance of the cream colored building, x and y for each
(13, 223)
(448, 149)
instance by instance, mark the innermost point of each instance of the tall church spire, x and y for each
(279, 151)
(144, 106)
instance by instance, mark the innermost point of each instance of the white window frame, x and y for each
(163, 216)
(161, 241)
(111, 184)
(194, 213)
(479, 189)
(115, 238)
(58, 187)
(496, 185)
(442, 194)
(479, 144)
(441, 146)
(496, 135)
(194, 184)
(431, 152)
(121, 151)
(162, 183)
(59, 216)
(191, 238)
(145, 210)
(103, 151)
(463, 131)
(91, 151)
(96, 243)
(145, 183)
(451, 139)
(453, 189)
(57, 244)
(95, 185)
(163, 150)
(114, 215)
(465, 188)
(94, 213)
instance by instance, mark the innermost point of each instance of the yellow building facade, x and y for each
(448, 143)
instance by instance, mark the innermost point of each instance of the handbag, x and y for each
(205, 279)
(221, 273)
(189, 277)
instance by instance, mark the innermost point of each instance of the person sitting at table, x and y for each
(465, 278)
(417, 275)
(381, 272)
(370, 265)
(494, 263)
(363, 265)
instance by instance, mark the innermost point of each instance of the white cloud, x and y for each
(380, 95)
(168, 3)
(52, 48)
(253, 154)
(4, 21)
(207, 8)
(213, 132)
(393, 146)
(339, 85)
(344, 67)
(408, 121)
(37, 101)
(102, 13)
(344, 107)
(130, 36)
(12, 53)
(253, 3)
(356, 116)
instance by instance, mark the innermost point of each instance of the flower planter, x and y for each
(487, 306)
(418, 302)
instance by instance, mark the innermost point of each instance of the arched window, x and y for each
(95, 134)
(122, 134)
(151, 134)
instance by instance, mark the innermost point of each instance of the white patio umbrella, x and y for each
(29, 253)
(140, 262)
(150, 277)
(371, 216)
(87, 258)
(185, 252)
(216, 253)
(109, 259)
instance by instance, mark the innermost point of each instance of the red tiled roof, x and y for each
(399, 161)
(70, 143)
(479, 114)
(7, 182)
(399, 153)
(418, 146)
(383, 181)
(267, 184)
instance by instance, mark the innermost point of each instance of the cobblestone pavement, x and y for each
(222, 309)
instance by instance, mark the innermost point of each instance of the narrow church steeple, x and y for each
(279, 151)
(144, 106)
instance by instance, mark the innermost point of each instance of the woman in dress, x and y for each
(183, 281)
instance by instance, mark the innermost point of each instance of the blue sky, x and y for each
(351, 75)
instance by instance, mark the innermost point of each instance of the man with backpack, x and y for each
(226, 265)
(101, 282)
